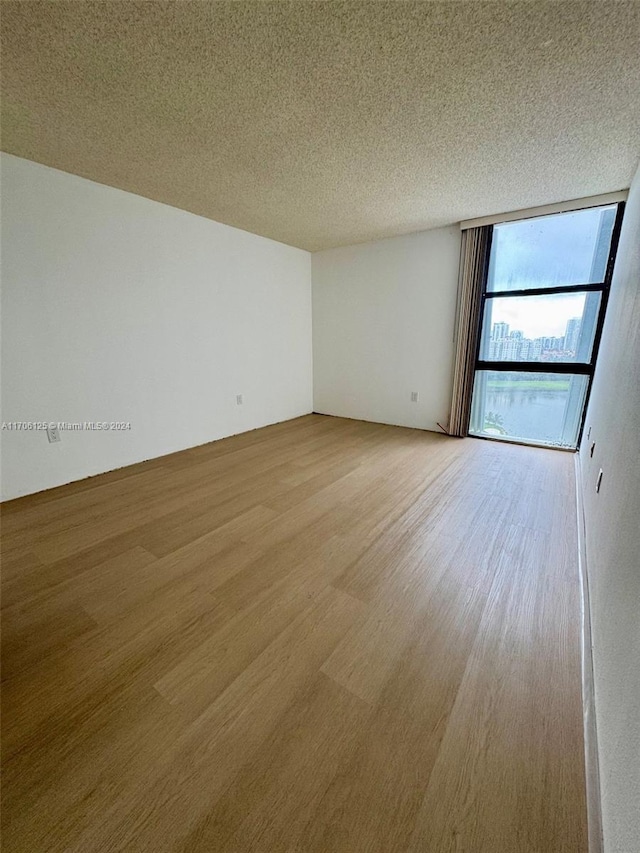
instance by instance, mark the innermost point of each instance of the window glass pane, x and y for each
(543, 408)
(554, 328)
(551, 251)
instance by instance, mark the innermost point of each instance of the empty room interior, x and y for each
(320, 426)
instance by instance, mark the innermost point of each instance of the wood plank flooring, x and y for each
(324, 636)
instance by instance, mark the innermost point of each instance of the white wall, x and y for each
(613, 542)
(383, 319)
(117, 308)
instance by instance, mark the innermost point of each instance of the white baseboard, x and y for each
(592, 770)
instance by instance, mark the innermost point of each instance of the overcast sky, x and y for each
(537, 316)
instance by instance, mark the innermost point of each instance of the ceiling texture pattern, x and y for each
(321, 124)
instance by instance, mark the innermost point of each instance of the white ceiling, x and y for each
(327, 123)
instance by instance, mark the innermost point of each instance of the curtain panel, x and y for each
(474, 257)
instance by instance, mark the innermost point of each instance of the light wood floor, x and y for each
(321, 636)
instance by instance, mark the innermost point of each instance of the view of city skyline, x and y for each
(505, 344)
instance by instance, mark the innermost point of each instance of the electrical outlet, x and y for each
(599, 480)
(239, 400)
(414, 396)
(53, 434)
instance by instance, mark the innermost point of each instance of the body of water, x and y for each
(531, 415)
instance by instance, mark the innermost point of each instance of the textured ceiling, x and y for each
(327, 123)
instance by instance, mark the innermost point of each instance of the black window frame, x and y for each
(576, 368)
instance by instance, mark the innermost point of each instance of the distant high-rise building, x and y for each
(512, 349)
(572, 334)
(525, 349)
(499, 331)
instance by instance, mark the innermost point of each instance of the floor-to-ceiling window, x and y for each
(543, 307)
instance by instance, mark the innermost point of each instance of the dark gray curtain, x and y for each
(473, 265)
